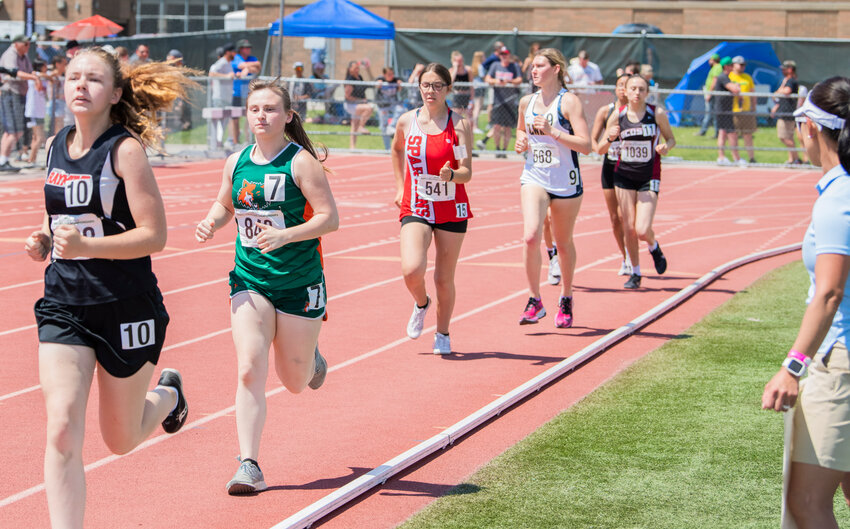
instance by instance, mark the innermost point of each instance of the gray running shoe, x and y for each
(321, 371)
(249, 478)
(417, 319)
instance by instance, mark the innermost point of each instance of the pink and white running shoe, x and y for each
(564, 318)
(533, 312)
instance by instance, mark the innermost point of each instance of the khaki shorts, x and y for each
(785, 129)
(821, 433)
(744, 123)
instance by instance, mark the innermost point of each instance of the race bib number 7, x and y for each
(431, 188)
(248, 221)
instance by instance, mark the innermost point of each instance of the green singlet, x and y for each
(267, 194)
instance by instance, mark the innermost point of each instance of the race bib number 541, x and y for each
(430, 187)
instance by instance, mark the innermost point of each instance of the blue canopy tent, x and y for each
(336, 19)
(762, 65)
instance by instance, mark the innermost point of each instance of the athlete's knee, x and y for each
(616, 220)
(249, 374)
(413, 273)
(62, 437)
(444, 282)
(644, 233)
(532, 238)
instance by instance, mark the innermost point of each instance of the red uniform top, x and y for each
(425, 195)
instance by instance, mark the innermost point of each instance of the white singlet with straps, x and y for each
(549, 164)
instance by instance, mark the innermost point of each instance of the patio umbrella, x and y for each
(88, 28)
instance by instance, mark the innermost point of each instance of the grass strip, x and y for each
(676, 440)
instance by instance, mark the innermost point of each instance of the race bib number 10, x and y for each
(431, 188)
(248, 221)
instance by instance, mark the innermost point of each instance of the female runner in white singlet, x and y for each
(552, 128)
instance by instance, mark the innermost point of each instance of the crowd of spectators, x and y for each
(32, 106)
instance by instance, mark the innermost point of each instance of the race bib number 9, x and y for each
(88, 224)
(544, 155)
(635, 151)
(248, 221)
(431, 188)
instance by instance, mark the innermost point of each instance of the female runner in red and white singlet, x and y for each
(431, 163)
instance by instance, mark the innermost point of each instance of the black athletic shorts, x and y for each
(608, 174)
(124, 334)
(637, 185)
(454, 227)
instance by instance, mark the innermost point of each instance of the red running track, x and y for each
(385, 393)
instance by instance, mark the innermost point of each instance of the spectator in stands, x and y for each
(784, 109)
(648, 73)
(45, 52)
(35, 108)
(321, 92)
(723, 107)
(479, 73)
(526, 66)
(743, 106)
(181, 112)
(221, 88)
(414, 97)
(356, 104)
(141, 56)
(505, 76)
(710, 107)
(13, 94)
(71, 48)
(387, 98)
(56, 113)
(299, 91)
(632, 67)
(123, 55)
(492, 59)
(246, 67)
(461, 95)
(583, 72)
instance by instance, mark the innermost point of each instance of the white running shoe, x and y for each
(442, 344)
(742, 163)
(625, 269)
(417, 320)
(722, 160)
(248, 478)
(554, 270)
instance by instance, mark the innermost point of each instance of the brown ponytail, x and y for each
(294, 130)
(145, 89)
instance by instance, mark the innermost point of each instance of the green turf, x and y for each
(678, 440)
(685, 136)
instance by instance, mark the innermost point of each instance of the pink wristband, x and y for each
(797, 355)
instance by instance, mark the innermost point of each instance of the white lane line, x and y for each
(379, 475)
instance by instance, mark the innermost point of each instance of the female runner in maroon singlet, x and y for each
(431, 162)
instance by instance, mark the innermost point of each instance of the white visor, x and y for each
(818, 115)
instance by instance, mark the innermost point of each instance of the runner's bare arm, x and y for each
(463, 173)
(397, 154)
(222, 209)
(521, 144)
(599, 143)
(573, 110)
(666, 131)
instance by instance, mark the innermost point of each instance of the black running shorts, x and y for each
(454, 227)
(124, 334)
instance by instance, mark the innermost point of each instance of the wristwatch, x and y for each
(796, 363)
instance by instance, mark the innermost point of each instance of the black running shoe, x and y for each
(633, 282)
(177, 418)
(659, 259)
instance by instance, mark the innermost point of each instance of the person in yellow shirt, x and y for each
(743, 107)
